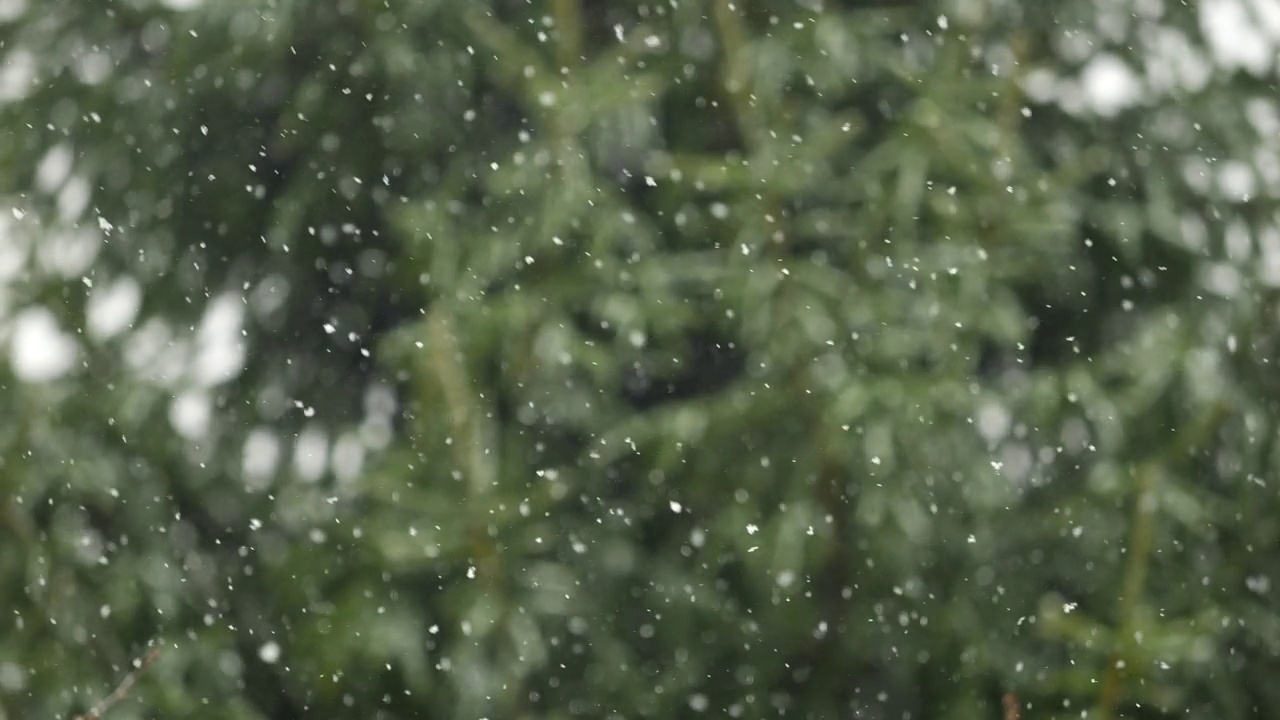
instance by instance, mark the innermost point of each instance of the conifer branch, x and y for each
(122, 690)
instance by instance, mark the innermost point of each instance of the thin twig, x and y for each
(1010, 707)
(1141, 548)
(122, 690)
(569, 29)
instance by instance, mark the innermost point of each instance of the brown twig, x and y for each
(122, 690)
(1010, 707)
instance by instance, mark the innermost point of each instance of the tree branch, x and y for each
(122, 690)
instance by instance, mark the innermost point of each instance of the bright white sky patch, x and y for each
(1231, 30)
(1235, 34)
(1236, 180)
(54, 167)
(261, 455)
(112, 308)
(269, 652)
(1267, 14)
(220, 350)
(1109, 84)
(311, 454)
(92, 67)
(70, 253)
(1269, 250)
(17, 74)
(993, 422)
(1173, 63)
(73, 199)
(348, 457)
(38, 349)
(155, 353)
(190, 415)
(11, 10)
(13, 251)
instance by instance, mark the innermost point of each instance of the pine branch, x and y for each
(122, 690)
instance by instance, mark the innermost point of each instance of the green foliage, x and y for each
(540, 360)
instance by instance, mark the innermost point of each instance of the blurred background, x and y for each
(555, 359)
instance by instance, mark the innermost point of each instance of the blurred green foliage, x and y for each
(639, 359)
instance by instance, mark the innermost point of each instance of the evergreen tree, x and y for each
(626, 360)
